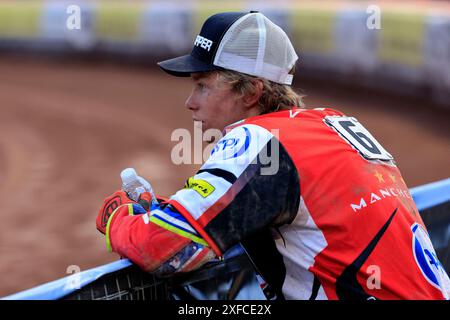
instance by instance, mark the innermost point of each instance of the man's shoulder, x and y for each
(293, 112)
(269, 121)
(286, 115)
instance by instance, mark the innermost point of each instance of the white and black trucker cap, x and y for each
(245, 42)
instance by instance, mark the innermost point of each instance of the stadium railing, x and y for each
(233, 278)
(402, 48)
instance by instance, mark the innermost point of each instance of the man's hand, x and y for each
(110, 204)
(145, 200)
(115, 200)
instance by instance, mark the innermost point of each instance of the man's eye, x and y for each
(200, 86)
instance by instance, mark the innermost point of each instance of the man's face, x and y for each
(213, 102)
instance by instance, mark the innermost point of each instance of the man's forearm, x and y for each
(160, 241)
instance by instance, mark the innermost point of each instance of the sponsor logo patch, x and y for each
(203, 42)
(379, 195)
(202, 187)
(426, 257)
(228, 148)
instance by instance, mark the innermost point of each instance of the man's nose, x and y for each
(190, 103)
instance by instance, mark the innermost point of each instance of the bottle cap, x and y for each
(128, 175)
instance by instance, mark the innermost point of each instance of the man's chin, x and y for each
(204, 126)
(212, 129)
(199, 125)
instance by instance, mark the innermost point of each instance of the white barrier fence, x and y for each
(432, 200)
(403, 50)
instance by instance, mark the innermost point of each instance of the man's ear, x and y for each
(252, 98)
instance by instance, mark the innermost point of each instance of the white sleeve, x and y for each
(248, 182)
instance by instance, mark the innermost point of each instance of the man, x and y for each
(316, 201)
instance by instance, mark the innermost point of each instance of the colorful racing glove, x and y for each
(114, 201)
(159, 241)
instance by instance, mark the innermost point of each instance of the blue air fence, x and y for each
(233, 278)
(408, 52)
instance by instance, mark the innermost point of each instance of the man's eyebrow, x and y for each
(199, 75)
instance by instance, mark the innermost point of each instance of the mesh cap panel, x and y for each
(256, 46)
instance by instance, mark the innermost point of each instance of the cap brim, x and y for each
(185, 65)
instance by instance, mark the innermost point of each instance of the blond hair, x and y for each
(275, 96)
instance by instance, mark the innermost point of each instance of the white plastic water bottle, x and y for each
(134, 185)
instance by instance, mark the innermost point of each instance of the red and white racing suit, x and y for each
(316, 201)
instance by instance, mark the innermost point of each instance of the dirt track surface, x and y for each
(67, 130)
